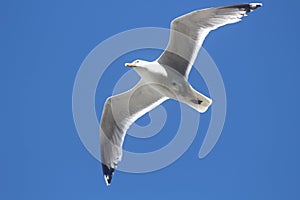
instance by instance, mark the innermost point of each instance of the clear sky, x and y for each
(43, 44)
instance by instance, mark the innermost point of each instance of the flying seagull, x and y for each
(163, 78)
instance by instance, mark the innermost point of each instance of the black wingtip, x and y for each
(247, 7)
(253, 6)
(108, 173)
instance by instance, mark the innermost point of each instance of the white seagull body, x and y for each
(163, 79)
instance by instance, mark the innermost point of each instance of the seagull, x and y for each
(162, 79)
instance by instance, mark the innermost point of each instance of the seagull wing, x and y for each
(189, 31)
(119, 113)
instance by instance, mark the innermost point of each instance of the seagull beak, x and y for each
(129, 65)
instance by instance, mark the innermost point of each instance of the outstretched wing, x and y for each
(119, 113)
(189, 31)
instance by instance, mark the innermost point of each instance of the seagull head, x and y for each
(136, 63)
(144, 68)
(140, 66)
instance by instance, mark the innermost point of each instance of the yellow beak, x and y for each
(129, 65)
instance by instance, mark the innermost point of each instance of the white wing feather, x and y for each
(189, 31)
(119, 113)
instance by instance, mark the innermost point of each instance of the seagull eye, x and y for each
(137, 61)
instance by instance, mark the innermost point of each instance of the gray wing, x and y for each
(189, 31)
(119, 113)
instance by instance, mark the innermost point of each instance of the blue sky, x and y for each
(43, 44)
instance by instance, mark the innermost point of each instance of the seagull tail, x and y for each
(200, 102)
